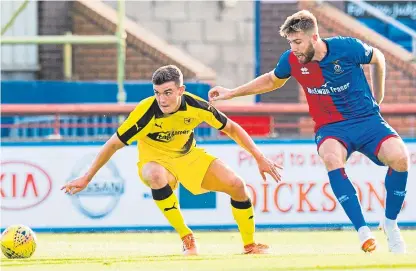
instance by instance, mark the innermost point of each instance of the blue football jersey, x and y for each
(335, 87)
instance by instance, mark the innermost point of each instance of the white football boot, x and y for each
(394, 237)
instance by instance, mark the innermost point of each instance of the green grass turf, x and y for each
(317, 250)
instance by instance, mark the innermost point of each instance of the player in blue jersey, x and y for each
(346, 115)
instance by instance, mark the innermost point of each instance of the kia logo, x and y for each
(23, 185)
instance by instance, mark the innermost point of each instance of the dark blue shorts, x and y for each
(364, 135)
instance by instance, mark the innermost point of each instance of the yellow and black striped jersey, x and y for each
(173, 133)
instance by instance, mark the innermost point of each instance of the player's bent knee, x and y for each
(332, 161)
(401, 164)
(155, 178)
(238, 190)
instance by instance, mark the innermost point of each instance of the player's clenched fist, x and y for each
(218, 93)
(76, 185)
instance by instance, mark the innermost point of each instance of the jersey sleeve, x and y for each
(359, 51)
(136, 125)
(282, 69)
(213, 117)
(207, 112)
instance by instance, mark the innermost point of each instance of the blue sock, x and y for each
(347, 196)
(396, 191)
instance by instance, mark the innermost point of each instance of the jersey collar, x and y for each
(182, 107)
(327, 50)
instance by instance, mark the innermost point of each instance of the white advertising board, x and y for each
(32, 175)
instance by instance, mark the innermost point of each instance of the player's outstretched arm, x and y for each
(239, 135)
(262, 84)
(106, 152)
(378, 74)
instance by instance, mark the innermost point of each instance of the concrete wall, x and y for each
(221, 37)
(19, 61)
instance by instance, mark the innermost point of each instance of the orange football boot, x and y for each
(189, 247)
(256, 249)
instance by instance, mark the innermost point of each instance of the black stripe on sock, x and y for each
(162, 193)
(241, 204)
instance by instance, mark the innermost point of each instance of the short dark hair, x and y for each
(169, 73)
(301, 21)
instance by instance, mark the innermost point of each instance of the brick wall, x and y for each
(93, 62)
(273, 45)
(272, 16)
(54, 19)
(99, 62)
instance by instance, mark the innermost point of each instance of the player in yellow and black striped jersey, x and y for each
(170, 133)
(163, 127)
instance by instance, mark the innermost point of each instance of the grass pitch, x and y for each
(317, 250)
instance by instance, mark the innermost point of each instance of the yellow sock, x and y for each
(244, 216)
(168, 203)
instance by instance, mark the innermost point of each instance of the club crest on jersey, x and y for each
(337, 67)
(304, 70)
(187, 120)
